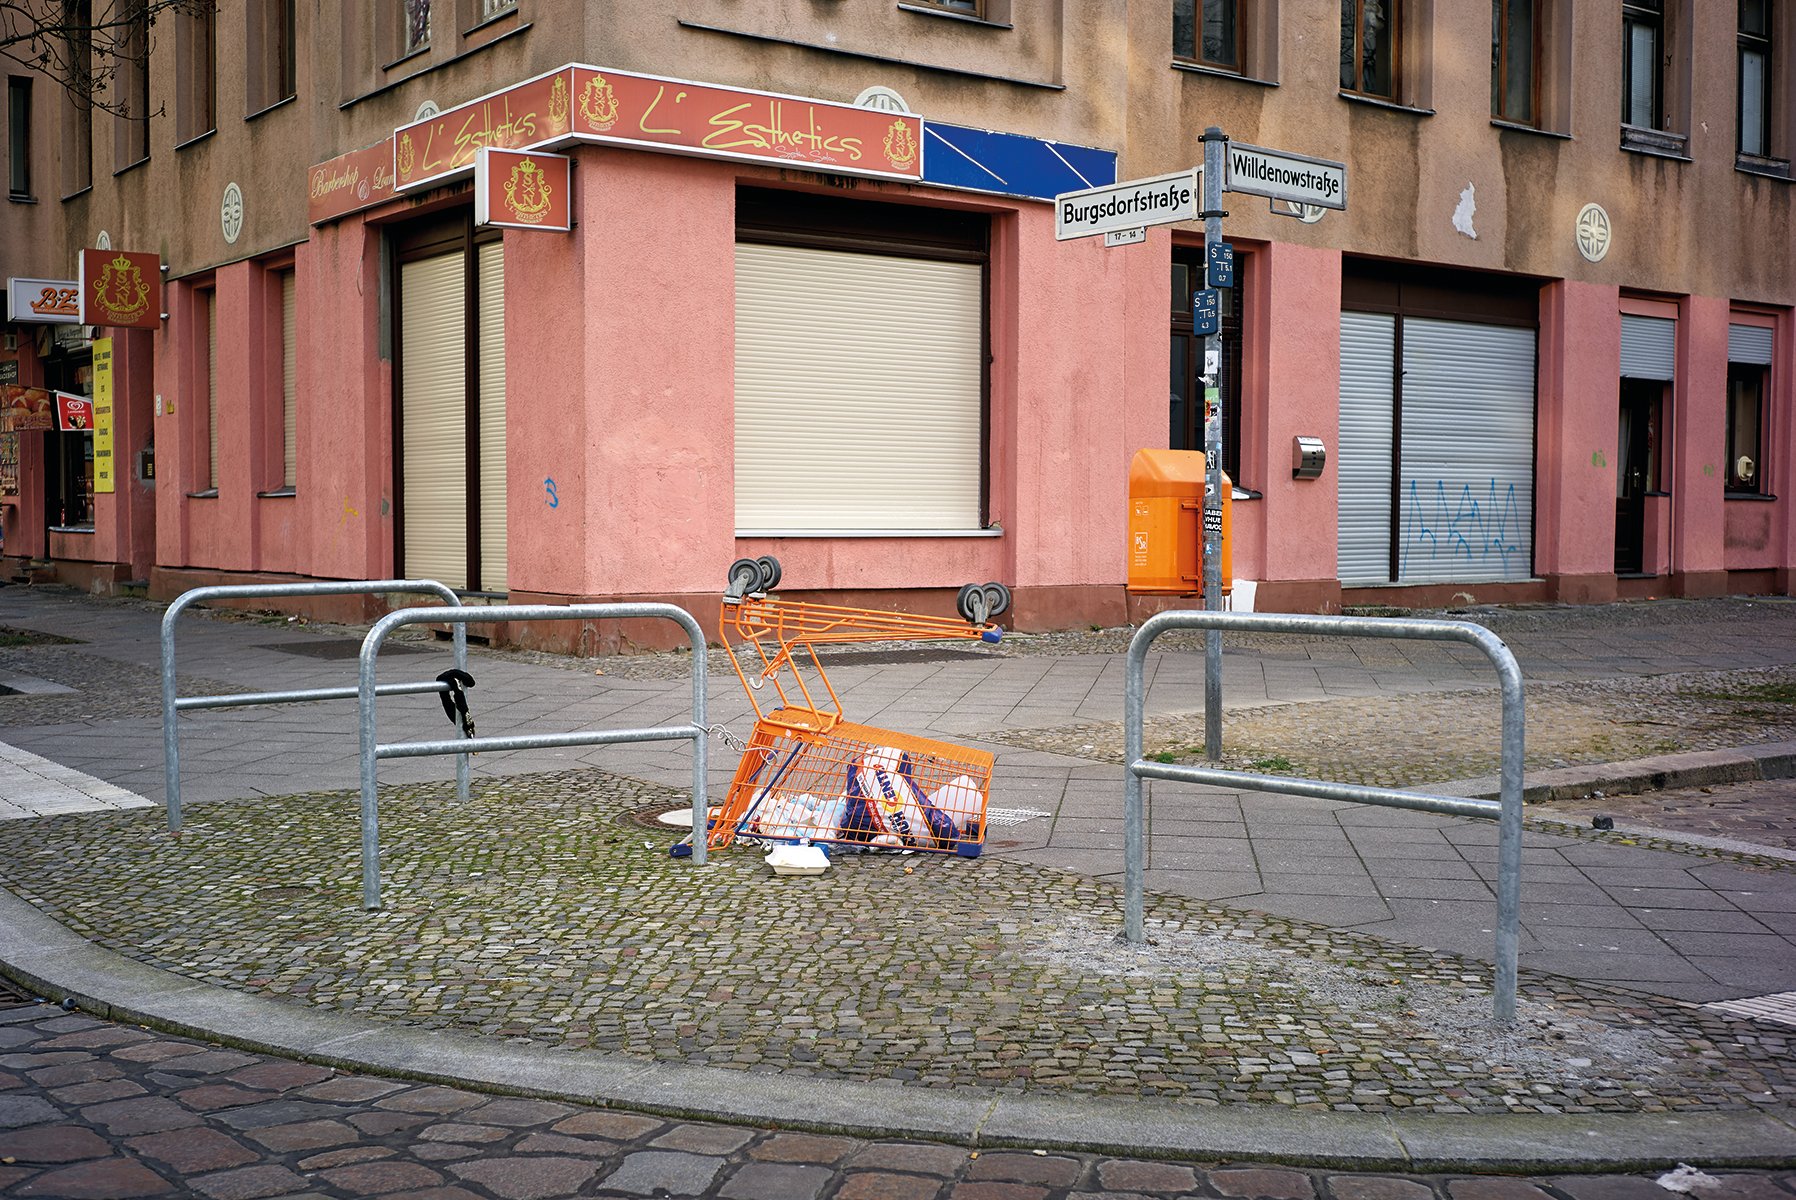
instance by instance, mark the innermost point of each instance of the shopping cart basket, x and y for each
(809, 775)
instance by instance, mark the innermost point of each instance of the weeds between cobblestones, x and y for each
(539, 912)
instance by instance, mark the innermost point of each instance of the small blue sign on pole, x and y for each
(1206, 312)
(1222, 265)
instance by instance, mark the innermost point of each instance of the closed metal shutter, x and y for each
(1363, 459)
(1466, 501)
(1648, 347)
(289, 386)
(1749, 344)
(491, 262)
(433, 391)
(212, 390)
(859, 389)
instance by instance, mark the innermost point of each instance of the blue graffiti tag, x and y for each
(1469, 533)
(554, 500)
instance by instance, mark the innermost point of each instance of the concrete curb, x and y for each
(1699, 768)
(49, 958)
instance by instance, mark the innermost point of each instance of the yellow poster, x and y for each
(103, 473)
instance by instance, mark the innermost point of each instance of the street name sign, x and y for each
(1279, 175)
(1136, 204)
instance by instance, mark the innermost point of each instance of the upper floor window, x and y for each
(273, 66)
(493, 8)
(1207, 32)
(131, 82)
(196, 81)
(1642, 59)
(1369, 36)
(1755, 77)
(1514, 61)
(416, 33)
(18, 137)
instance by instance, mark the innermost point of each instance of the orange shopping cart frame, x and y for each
(808, 774)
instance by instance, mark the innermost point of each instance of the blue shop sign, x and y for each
(1011, 164)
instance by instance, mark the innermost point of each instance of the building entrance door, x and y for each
(1636, 470)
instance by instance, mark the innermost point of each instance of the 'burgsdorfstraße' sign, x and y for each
(1279, 175)
(1132, 205)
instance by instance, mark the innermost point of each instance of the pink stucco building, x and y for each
(1548, 345)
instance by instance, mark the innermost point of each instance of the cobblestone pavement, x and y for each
(1759, 812)
(543, 910)
(93, 1109)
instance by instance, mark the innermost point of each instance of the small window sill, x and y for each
(1518, 127)
(283, 102)
(1238, 492)
(1769, 168)
(208, 494)
(1197, 68)
(1766, 496)
(197, 138)
(71, 529)
(77, 193)
(1389, 105)
(390, 84)
(130, 167)
(21, 198)
(280, 493)
(499, 18)
(1656, 143)
(929, 11)
(414, 52)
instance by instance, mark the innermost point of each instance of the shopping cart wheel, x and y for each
(770, 572)
(997, 599)
(744, 577)
(963, 603)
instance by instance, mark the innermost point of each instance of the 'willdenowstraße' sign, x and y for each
(1280, 175)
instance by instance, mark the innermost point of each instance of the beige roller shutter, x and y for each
(433, 390)
(212, 390)
(289, 385)
(858, 392)
(492, 417)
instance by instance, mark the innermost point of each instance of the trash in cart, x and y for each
(808, 775)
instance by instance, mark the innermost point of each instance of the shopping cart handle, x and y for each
(991, 635)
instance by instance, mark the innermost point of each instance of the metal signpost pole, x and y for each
(1215, 148)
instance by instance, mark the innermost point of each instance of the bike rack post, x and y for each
(373, 752)
(171, 744)
(1507, 811)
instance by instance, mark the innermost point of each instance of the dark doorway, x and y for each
(1636, 469)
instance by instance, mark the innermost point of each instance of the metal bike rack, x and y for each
(171, 745)
(373, 752)
(1507, 811)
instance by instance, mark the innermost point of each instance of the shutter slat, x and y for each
(1363, 459)
(858, 391)
(1749, 344)
(434, 408)
(1648, 347)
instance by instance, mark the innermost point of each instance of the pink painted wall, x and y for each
(1697, 476)
(1575, 430)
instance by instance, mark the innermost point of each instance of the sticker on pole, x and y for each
(1160, 200)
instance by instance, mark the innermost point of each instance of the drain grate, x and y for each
(337, 649)
(11, 996)
(1778, 1007)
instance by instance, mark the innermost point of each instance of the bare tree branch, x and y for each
(84, 45)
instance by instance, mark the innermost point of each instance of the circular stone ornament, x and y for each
(230, 213)
(1594, 232)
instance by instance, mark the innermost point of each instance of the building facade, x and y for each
(1547, 345)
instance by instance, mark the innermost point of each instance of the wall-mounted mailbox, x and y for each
(1307, 457)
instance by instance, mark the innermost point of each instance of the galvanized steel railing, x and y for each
(1507, 811)
(373, 752)
(171, 742)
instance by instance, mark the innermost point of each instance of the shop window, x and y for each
(860, 367)
(1208, 33)
(212, 393)
(131, 83)
(272, 62)
(196, 77)
(78, 112)
(1745, 424)
(289, 359)
(18, 137)
(1186, 386)
(1514, 61)
(70, 477)
(1370, 38)
(1654, 67)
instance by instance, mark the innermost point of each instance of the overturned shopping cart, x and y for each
(808, 774)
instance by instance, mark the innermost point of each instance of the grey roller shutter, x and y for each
(1363, 459)
(1648, 347)
(433, 390)
(859, 388)
(289, 385)
(1467, 483)
(1749, 344)
(492, 416)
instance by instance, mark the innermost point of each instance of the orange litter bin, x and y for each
(808, 774)
(1166, 511)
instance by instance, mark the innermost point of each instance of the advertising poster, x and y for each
(104, 475)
